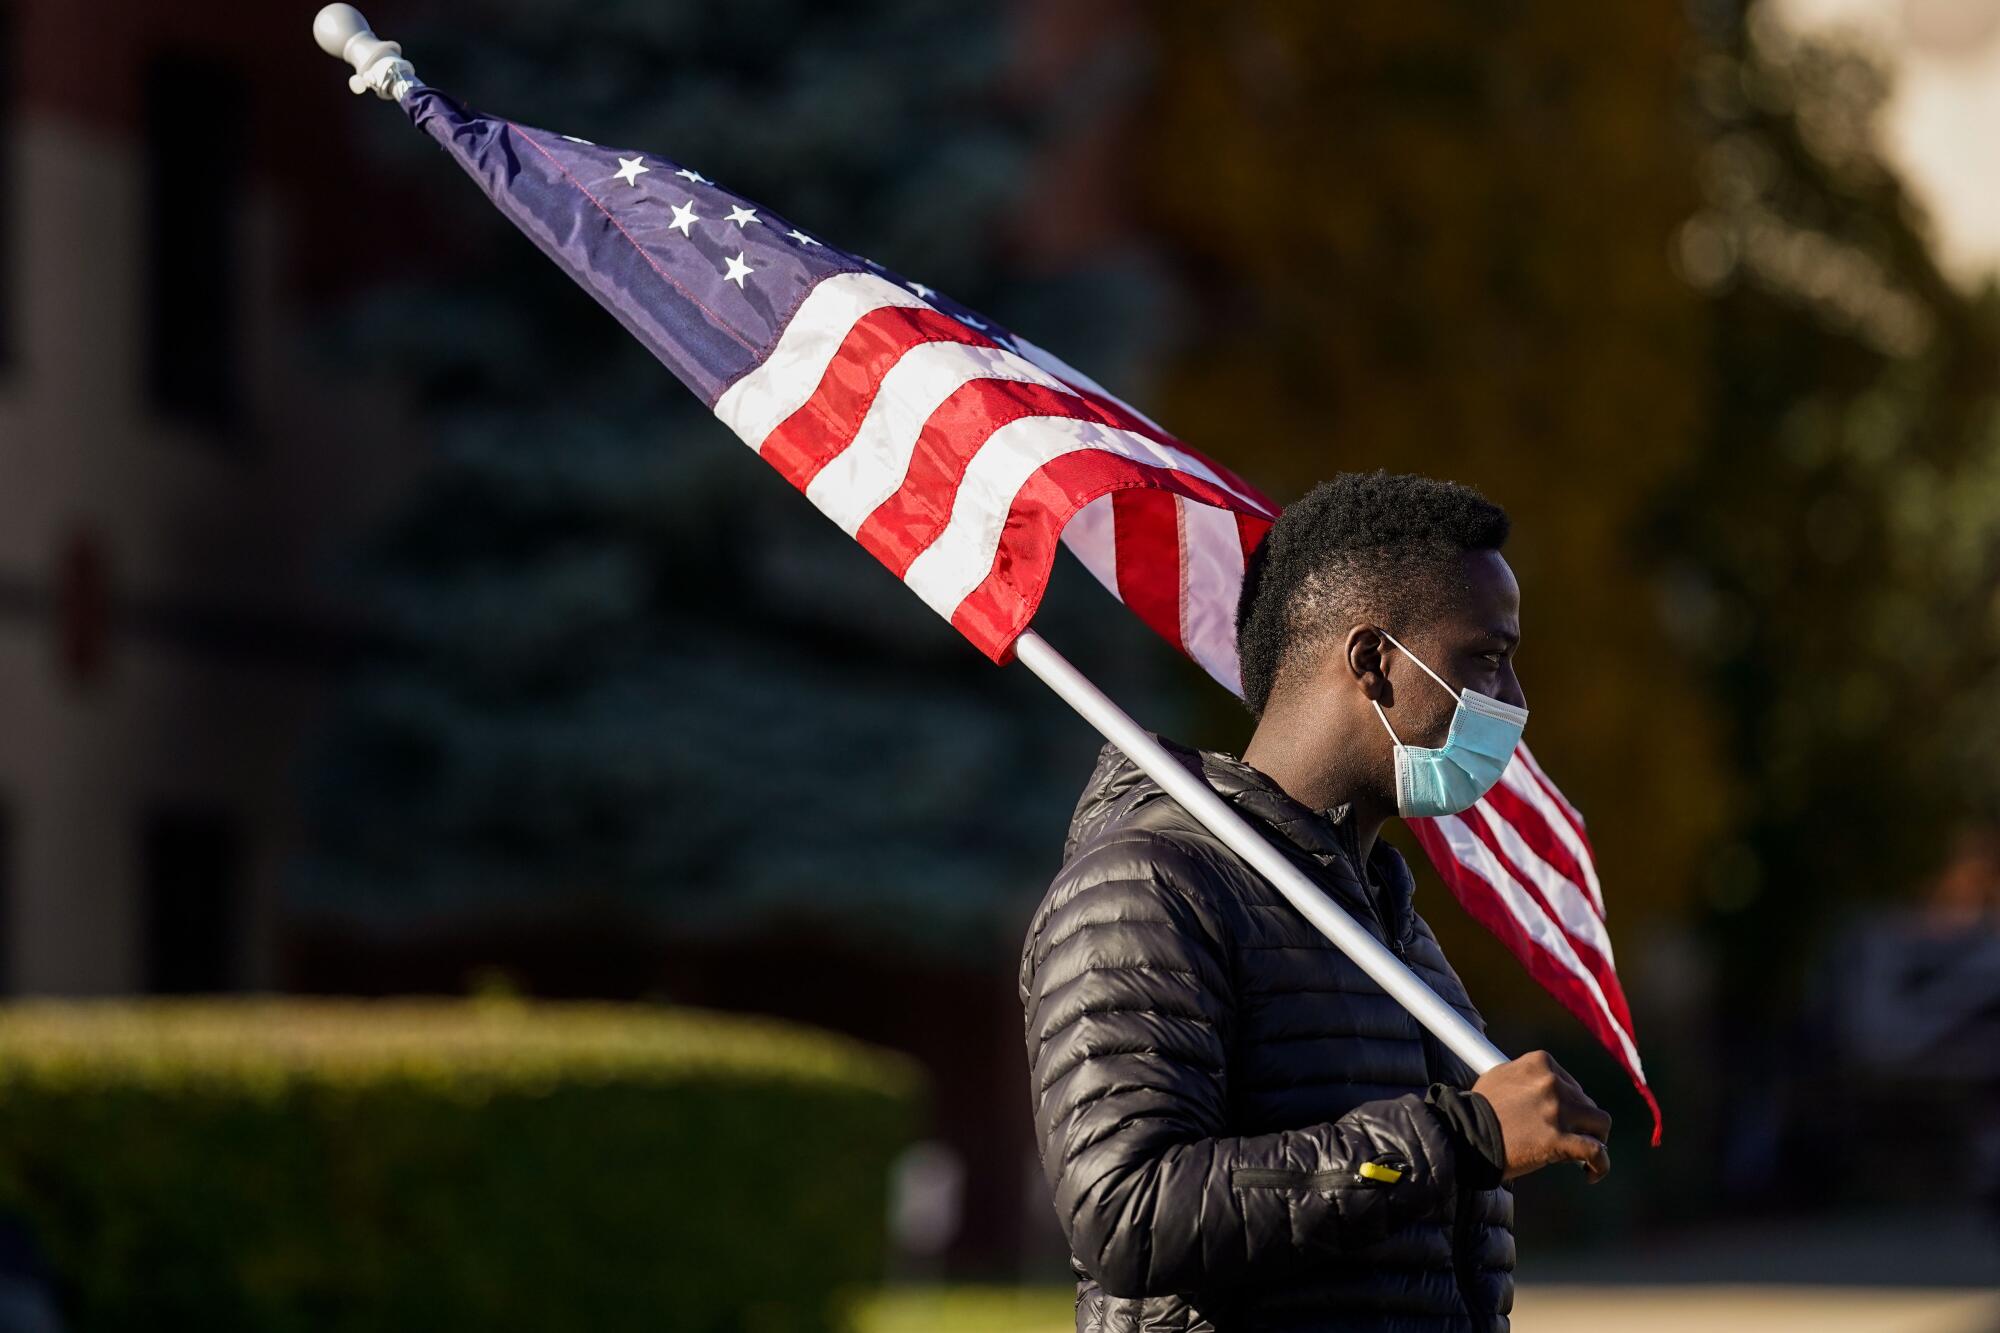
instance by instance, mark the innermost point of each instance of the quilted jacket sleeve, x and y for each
(1126, 989)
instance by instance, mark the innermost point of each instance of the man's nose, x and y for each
(1511, 692)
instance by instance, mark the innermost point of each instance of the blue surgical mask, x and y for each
(1476, 751)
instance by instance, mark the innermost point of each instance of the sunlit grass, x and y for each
(966, 1309)
(1553, 1308)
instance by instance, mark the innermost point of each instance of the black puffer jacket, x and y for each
(1209, 1071)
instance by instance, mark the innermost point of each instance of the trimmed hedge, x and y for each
(283, 1165)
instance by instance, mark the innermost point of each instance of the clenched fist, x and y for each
(1545, 1116)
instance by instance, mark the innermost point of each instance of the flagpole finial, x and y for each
(378, 65)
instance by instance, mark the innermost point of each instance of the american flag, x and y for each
(960, 453)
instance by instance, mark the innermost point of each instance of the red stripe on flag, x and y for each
(899, 529)
(1117, 414)
(908, 521)
(1587, 953)
(812, 436)
(993, 614)
(1535, 830)
(1251, 530)
(1151, 564)
(1483, 902)
(1570, 812)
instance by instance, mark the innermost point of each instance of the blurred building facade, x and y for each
(170, 476)
(179, 209)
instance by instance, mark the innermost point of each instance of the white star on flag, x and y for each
(742, 216)
(738, 270)
(921, 290)
(694, 176)
(801, 237)
(630, 169)
(684, 218)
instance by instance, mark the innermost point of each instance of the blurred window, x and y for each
(193, 866)
(7, 85)
(6, 898)
(194, 186)
(926, 1205)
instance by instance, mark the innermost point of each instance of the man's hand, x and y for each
(1545, 1116)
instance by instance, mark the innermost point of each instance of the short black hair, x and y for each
(1360, 546)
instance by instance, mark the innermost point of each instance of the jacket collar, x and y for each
(1326, 836)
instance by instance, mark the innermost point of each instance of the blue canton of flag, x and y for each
(705, 279)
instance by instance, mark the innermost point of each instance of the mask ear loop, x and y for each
(1397, 749)
(1419, 661)
(1400, 750)
(1393, 737)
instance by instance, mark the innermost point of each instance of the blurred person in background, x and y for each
(1931, 995)
(1965, 897)
(1240, 1129)
(28, 1302)
(1909, 995)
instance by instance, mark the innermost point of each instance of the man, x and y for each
(1240, 1129)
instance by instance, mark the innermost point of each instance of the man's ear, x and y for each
(1365, 646)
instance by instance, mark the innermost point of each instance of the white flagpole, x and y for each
(379, 68)
(1200, 800)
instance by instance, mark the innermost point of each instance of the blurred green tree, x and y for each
(1835, 539)
(1431, 237)
(619, 658)
(1641, 273)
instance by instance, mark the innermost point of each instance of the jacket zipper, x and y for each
(1374, 896)
(1389, 935)
(1464, 1265)
(1273, 1177)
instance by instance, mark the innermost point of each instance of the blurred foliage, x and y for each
(274, 1166)
(1432, 237)
(620, 657)
(1641, 274)
(1836, 539)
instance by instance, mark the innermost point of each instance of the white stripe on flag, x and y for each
(1522, 782)
(955, 564)
(1566, 829)
(1572, 909)
(760, 402)
(1062, 369)
(1212, 557)
(1092, 537)
(871, 468)
(1478, 858)
(1528, 757)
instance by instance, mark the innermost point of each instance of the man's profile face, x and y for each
(1471, 643)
